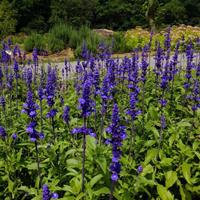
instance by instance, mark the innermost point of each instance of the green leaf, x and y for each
(90, 142)
(144, 181)
(170, 178)
(103, 164)
(193, 189)
(68, 189)
(73, 163)
(166, 162)
(186, 172)
(95, 179)
(147, 170)
(183, 124)
(80, 196)
(151, 154)
(10, 186)
(164, 193)
(103, 190)
(149, 143)
(76, 185)
(181, 190)
(32, 166)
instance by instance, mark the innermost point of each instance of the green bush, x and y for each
(35, 40)
(119, 43)
(7, 19)
(75, 40)
(54, 44)
(62, 32)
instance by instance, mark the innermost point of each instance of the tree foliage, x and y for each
(7, 18)
(40, 15)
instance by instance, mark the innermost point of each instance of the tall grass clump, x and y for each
(119, 45)
(62, 32)
(54, 44)
(35, 40)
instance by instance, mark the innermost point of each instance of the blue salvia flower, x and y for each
(84, 51)
(140, 169)
(16, 69)
(41, 94)
(104, 51)
(105, 94)
(9, 42)
(195, 96)
(96, 82)
(10, 81)
(163, 121)
(158, 61)
(110, 64)
(173, 63)
(30, 108)
(15, 50)
(1, 76)
(118, 134)
(3, 133)
(35, 57)
(52, 113)
(83, 130)
(51, 87)
(133, 111)
(66, 115)
(188, 75)
(85, 102)
(14, 136)
(3, 102)
(47, 195)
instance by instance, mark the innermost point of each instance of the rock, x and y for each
(104, 32)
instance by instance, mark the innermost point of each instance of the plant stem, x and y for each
(111, 190)
(83, 161)
(38, 164)
(132, 138)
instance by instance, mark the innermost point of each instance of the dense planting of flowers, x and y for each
(101, 128)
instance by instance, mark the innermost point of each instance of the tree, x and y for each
(172, 12)
(76, 12)
(151, 13)
(7, 19)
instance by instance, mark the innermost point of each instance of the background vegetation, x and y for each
(40, 15)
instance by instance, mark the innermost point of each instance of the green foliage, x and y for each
(7, 19)
(173, 12)
(35, 40)
(119, 45)
(62, 32)
(54, 44)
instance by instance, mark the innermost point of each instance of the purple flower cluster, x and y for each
(66, 116)
(47, 195)
(85, 102)
(83, 130)
(30, 108)
(3, 102)
(2, 132)
(118, 134)
(50, 92)
(188, 75)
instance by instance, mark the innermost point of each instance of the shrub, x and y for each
(62, 32)
(119, 43)
(35, 40)
(54, 44)
(7, 19)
